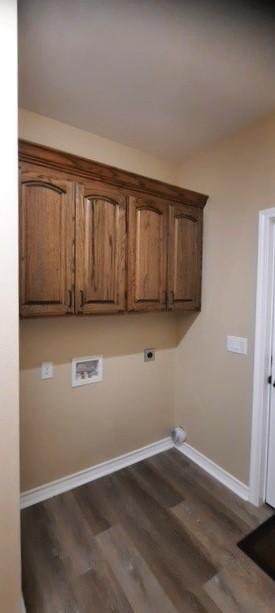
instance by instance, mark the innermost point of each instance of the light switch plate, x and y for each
(236, 344)
(47, 370)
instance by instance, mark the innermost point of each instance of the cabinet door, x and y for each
(184, 258)
(46, 245)
(100, 249)
(147, 254)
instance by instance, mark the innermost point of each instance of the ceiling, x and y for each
(166, 77)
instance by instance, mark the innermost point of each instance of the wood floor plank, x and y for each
(96, 521)
(167, 529)
(222, 596)
(241, 582)
(178, 570)
(186, 594)
(105, 498)
(138, 582)
(157, 537)
(188, 487)
(121, 496)
(72, 530)
(98, 590)
(118, 500)
(247, 512)
(46, 581)
(218, 545)
(156, 484)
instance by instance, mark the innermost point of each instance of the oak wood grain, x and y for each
(76, 166)
(46, 245)
(184, 258)
(100, 279)
(93, 245)
(147, 254)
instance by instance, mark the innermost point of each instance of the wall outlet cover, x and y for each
(47, 370)
(149, 355)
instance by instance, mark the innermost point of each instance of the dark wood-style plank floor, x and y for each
(158, 537)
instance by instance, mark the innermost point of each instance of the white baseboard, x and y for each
(65, 484)
(231, 482)
(48, 490)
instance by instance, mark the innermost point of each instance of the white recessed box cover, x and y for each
(87, 370)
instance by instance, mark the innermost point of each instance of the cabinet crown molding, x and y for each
(89, 169)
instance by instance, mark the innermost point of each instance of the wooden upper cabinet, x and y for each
(97, 239)
(46, 245)
(147, 254)
(100, 249)
(184, 257)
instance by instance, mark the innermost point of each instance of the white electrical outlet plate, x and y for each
(236, 344)
(47, 370)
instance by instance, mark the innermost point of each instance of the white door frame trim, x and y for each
(262, 356)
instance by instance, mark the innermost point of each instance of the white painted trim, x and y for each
(262, 355)
(43, 492)
(65, 484)
(215, 471)
(23, 606)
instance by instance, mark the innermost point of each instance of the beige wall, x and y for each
(65, 429)
(213, 387)
(10, 589)
(43, 130)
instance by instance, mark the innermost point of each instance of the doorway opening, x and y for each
(264, 367)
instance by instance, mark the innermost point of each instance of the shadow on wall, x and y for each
(65, 429)
(184, 322)
(60, 339)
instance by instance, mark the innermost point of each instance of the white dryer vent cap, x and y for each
(178, 435)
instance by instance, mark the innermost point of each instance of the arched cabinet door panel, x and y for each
(46, 245)
(184, 258)
(147, 254)
(100, 249)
